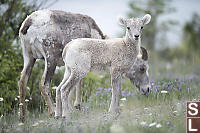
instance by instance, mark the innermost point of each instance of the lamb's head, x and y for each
(138, 74)
(134, 26)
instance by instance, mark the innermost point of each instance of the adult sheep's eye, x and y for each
(142, 27)
(128, 28)
(142, 69)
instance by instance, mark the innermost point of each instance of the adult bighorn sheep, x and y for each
(43, 35)
(116, 56)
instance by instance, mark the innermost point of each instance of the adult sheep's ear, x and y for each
(122, 21)
(144, 54)
(146, 19)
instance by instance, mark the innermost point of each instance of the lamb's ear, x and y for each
(146, 19)
(122, 21)
(144, 54)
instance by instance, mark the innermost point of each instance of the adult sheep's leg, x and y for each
(50, 66)
(77, 103)
(58, 112)
(25, 74)
(116, 87)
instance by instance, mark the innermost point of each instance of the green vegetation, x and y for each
(159, 112)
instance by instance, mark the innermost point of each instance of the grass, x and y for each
(157, 113)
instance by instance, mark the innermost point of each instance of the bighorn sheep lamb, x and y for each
(116, 56)
(43, 35)
(138, 75)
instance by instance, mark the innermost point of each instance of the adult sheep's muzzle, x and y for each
(144, 90)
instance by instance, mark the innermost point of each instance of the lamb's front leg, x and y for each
(116, 88)
(58, 112)
(65, 91)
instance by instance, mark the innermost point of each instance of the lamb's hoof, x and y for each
(57, 117)
(78, 107)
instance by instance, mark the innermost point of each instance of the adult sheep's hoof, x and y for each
(78, 107)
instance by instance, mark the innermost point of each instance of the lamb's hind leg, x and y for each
(50, 66)
(78, 97)
(25, 74)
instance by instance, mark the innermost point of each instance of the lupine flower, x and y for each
(169, 88)
(98, 92)
(99, 89)
(178, 87)
(102, 103)
(45, 130)
(168, 123)
(126, 89)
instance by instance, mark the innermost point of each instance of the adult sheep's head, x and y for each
(134, 26)
(138, 74)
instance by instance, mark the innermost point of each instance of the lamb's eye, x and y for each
(128, 28)
(142, 27)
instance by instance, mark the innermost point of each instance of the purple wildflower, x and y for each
(99, 89)
(177, 80)
(98, 92)
(45, 130)
(168, 123)
(102, 103)
(126, 89)
(71, 131)
(179, 88)
(169, 88)
(128, 94)
(123, 95)
(27, 131)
